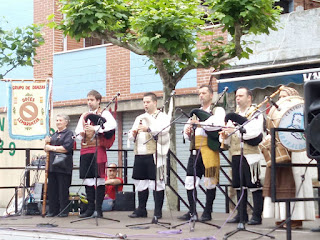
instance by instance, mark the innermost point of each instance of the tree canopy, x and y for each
(168, 31)
(18, 47)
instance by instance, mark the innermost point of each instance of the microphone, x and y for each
(225, 90)
(172, 93)
(274, 104)
(118, 94)
(184, 113)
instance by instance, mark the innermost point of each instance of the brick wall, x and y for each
(118, 72)
(42, 9)
(91, 41)
(73, 44)
(58, 35)
(306, 4)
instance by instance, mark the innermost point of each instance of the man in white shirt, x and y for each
(147, 151)
(204, 158)
(252, 155)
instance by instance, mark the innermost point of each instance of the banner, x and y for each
(28, 112)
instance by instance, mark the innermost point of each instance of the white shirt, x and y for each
(161, 123)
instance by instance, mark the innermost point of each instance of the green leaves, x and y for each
(254, 16)
(18, 47)
(84, 17)
(174, 21)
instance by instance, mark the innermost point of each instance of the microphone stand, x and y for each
(241, 224)
(109, 103)
(95, 213)
(194, 217)
(155, 137)
(167, 101)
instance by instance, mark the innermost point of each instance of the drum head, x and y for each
(275, 115)
(290, 115)
(293, 118)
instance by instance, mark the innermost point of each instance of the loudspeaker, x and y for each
(312, 118)
(125, 201)
(32, 209)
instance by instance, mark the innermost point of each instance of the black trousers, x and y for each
(88, 166)
(195, 163)
(144, 167)
(245, 172)
(58, 192)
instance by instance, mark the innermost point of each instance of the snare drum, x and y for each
(289, 115)
(282, 154)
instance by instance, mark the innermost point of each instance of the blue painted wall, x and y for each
(75, 73)
(15, 13)
(144, 80)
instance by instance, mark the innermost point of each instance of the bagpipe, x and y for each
(213, 136)
(97, 119)
(239, 120)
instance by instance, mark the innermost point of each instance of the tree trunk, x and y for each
(172, 198)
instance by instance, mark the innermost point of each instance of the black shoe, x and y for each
(158, 216)
(315, 229)
(63, 215)
(236, 219)
(99, 214)
(254, 221)
(51, 214)
(185, 217)
(138, 213)
(87, 213)
(205, 217)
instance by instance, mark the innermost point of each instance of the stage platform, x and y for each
(35, 227)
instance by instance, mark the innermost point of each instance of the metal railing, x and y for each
(224, 188)
(274, 164)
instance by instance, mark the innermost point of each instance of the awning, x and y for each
(266, 79)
